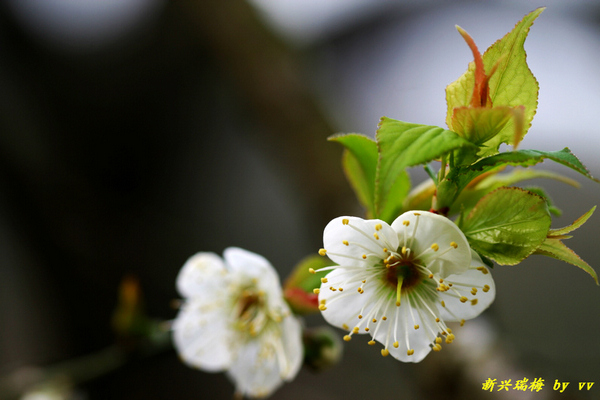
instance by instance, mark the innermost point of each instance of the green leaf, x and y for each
(360, 164)
(511, 84)
(482, 186)
(459, 177)
(578, 222)
(507, 225)
(402, 145)
(393, 207)
(555, 248)
(542, 193)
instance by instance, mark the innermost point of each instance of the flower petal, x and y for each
(343, 307)
(202, 335)
(421, 229)
(201, 275)
(245, 266)
(264, 362)
(481, 278)
(354, 241)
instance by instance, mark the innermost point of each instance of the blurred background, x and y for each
(135, 133)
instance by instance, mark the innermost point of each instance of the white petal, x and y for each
(291, 337)
(433, 228)
(361, 236)
(455, 310)
(202, 335)
(343, 308)
(202, 274)
(418, 339)
(263, 363)
(245, 265)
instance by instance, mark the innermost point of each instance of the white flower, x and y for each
(235, 319)
(402, 283)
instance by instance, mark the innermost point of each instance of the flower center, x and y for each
(249, 311)
(403, 269)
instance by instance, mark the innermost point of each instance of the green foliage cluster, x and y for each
(492, 103)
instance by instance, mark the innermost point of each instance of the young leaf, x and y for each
(507, 225)
(402, 145)
(555, 248)
(360, 164)
(507, 81)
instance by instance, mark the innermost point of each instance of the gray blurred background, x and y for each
(134, 133)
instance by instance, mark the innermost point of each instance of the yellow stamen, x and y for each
(345, 242)
(376, 236)
(396, 344)
(323, 280)
(322, 307)
(312, 271)
(406, 223)
(378, 227)
(347, 338)
(371, 342)
(435, 247)
(416, 327)
(486, 288)
(364, 256)
(463, 299)
(474, 302)
(453, 244)
(322, 252)
(316, 291)
(410, 352)
(345, 221)
(385, 352)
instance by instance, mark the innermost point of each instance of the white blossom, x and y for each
(235, 319)
(403, 282)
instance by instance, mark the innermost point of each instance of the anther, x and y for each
(371, 342)
(435, 247)
(322, 252)
(378, 227)
(474, 291)
(474, 302)
(437, 320)
(453, 244)
(374, 320)
(332, 288)
(359, 316)
(486, 288)
(443, 304)
(403, 250)
(437, 347)
(430, 276)
(462, 322)
(345, 221)
(376, 236)
(438, 340)
(385, 352)
(410, 352)
(322, 307)
(323, 280)
(367, 329)
(416, 327)
(344, 326)
(483, 270)
(312, 271)
(347, 338)
(396, 344)
(316, 291)
(355, 329)
(385, 250)
(463, 299)
(341, 289)
(406, 223)
(384, 318)
(345, 242)
(364, 256)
